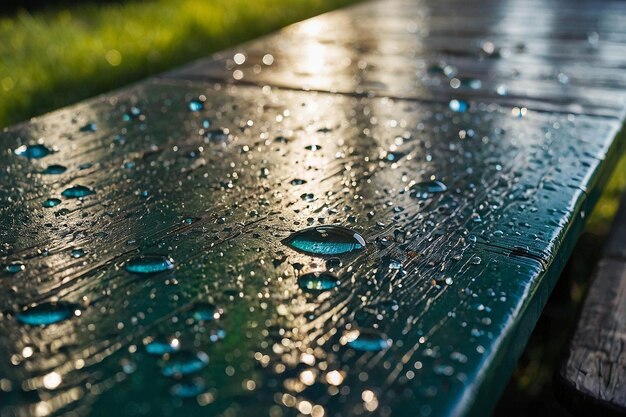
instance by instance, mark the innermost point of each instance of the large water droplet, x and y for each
(426, 189)
(325, 240)
(368, 340)
(149, 264)
(196, 105)
(206, 312)
(47, 313)
(33, 151)
(160, 347)
(89, 127)
(318, 282)
(184, 362)
(77, 191)
(77, 253)
(459, 106)
(14, 267)
(54, 170)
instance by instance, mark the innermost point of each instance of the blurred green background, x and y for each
(55, 55)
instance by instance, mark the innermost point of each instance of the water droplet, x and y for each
(318, 282)
(424, 190)
(77, 253)
(368, 340)
(325, 240)
(33, 151)
(459, 106)
(298, 181)
(184, 362)
(160, 347)
(206, 312)
(188, 389)
(47, 313)
(77, 191)
(133, 113)
(54, 170)
(149, 264)
(89, 127)
(476, 260)
(14, 267)
(313, 147)
(196, 105)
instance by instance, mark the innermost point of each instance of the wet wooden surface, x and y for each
(338, 120)
(592, 379)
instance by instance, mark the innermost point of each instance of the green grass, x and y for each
(53, 58)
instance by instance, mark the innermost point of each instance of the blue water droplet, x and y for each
(47, 313)
(160, 347)
(133, 113)
(317, 282)
(54, 170)
(149, 264)
(77, 191)
(77, 253)
(325, 240)
(206, 311)
(184, 363)
(51, 202)
(188, 388)
(89, 127)
(297, 181)
(86, 165)
(196, 105)
(313, 147)
(33, 151)
(426, 189)
(14, 267)
(459, 106)
(368, 340)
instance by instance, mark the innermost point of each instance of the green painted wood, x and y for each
(455, 281)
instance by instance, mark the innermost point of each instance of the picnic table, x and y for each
(362, 214)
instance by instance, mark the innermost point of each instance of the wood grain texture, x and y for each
(338, 129)
(592, 378)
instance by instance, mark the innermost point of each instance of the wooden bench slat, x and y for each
(456, 280)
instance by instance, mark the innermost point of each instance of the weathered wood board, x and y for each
(592, 378)
(469, 198)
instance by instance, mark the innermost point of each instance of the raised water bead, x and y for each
(14, 267)
(160, 347)
(89, 127)
(184, 362)
(325, 240)
(458, 106)
(426, 189)
(297, 181)
(47, 313)
(196, 105)
(367, 340)
(318, 282)
(202, 311)
(189, 388)
(77, 253)
(37, 151)
(54, 169)
(131, 114)
(149, 264)
(77, 191)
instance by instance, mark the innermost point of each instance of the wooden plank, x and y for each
(592, 377)
(216, 173)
